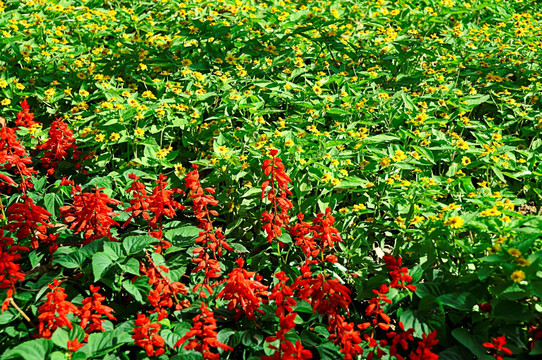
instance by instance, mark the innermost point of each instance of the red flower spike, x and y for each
(14, 156)
(53, 313)
(91, 215)
(10, 271)
(25, 117)
(146, 336)
(212, 240)
(423, 351)
(61, 140)
(74, 345)
(344, 335)
(93, 310)
(399, 275)
(29, 220)
(278, 218)
(497, 346)
(242, 290)
(203, 334)
(325, 295)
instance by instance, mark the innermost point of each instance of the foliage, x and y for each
(270, 180)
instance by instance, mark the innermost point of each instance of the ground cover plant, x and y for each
(270, 179)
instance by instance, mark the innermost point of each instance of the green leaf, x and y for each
(134, 244)
(132, 290)
(471, 342)
(131, 266)
(100, 263)
(50, 202)
(458, 300)
(30, 350)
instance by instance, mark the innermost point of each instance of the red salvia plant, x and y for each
(399, 274)
(90, 214)
(274, 221)
(161, 204)
(326, 296)
(14, 156)
(164, 291)
(25, 117)
(10, 271)
(204, 335)
(243, 288)
(56, 148)
(496, 346)
(375, 309)
(342, 333)
(53, 313)
(146, 336)
(93, 311)
(212, 241)
(423, 351)
(282, 295)
(400, 338)
(139, 203)
(314, 240)
(28, 220)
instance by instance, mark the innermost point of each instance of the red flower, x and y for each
(53, 313)
(375, 308)
(56, 148)
(497, 345)
(93, 310)
(274, 221)
(212, 241)
(242, 290)
(423, 351)
(25, 117)
(10, 272)
(28, 220)
(163, 291)
(326, 296)
(344, 335)
(74, 345)
(399, 275)
(146, 336)
(161, 203)
(139, 201)
(91, 215)
(204, 335)
(13, 155)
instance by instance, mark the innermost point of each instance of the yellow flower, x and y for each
(3, 84)
(518, 276)
(335, 182)
(100, 138)
(385, 161)
(465, 160)
(114, 136)
(317, 90)
(83, 93)
(514, 252)
(222, 149)
(6, 102)
(288, 143)
(139, 132)
(359, 207)
(148, 94)
(455, 222)
(490, 212)
(327, 177)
